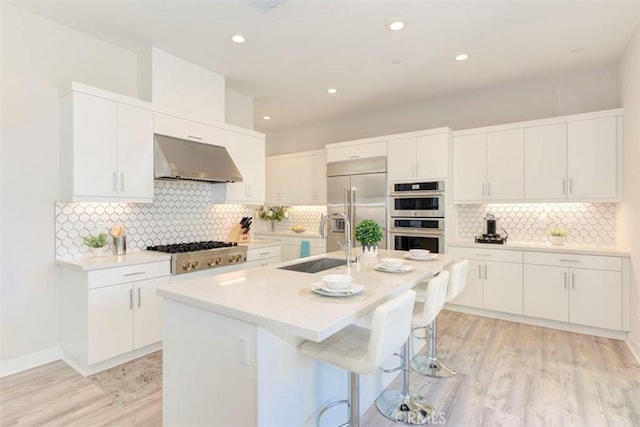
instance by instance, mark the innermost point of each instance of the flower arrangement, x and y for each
(273, 214)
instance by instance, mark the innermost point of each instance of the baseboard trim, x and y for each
(634, 348)
(33, 360)
(87, 370)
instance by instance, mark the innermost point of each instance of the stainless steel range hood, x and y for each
(181, 159)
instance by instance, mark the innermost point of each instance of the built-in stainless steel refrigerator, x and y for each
(359, 189)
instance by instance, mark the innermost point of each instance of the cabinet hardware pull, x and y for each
(565, 280)
(130, 299)
(115, 181)
(264, 253)
(194, 137)
(483, 254)
(134, 274)
(121, 181)
(488, 189)
(569, 260)
(353, 157)
(570, 185)
(480, 272)
(485, 272)
(573, 280)
(483, 184)
(139, 298)
(564, 186)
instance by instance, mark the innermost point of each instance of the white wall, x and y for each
(238, 109)
(567, 93)
(629, 210)
(38, 57)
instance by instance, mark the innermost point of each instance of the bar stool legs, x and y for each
(431, 366)
(402, 406)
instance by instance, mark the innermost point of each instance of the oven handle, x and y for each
(414, 194)
(396, 232)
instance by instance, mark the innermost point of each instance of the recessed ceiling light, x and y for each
(266, 117)
(462, 57)
(396, 25)
(332, 90)
(238, 38)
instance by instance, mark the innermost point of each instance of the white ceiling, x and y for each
(297, 50)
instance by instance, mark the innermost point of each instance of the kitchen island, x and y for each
(231, 343)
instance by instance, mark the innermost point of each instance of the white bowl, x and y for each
(419, 253)
(392, 262)
(337, 281)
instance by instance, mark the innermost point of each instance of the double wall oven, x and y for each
(417, 216)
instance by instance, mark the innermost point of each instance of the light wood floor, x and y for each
(509, 375)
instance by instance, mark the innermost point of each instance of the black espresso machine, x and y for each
(491, 236)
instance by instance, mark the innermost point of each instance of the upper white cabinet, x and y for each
(564, 158)
(297, 179)
(420, 157)
(177, 127)
(248, 153)
(356, 150)
(488, 166)
(106, 147)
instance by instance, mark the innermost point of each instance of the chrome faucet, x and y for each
(346, 247)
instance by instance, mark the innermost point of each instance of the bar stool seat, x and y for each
(361, 351)
(402, 406)
(430, 365)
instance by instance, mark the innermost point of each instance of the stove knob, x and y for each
(186, 266)
(232, 259)
(238, 258)
(195, 265)
(212, 262)
(218, 260)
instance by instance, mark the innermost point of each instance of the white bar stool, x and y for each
(402, 406)
(362, 352)
(430, 365)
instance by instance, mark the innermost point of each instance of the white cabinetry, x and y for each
(494, 279)
(248, 152)
(488, 166)
(359, 149)
(573, 160)
(419, 157)
(110, 312)
(580, 289)
(297, 179)
(165, 124)
(263, 256)
(291, 245)
(106, 147)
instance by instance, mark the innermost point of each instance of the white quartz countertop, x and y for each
(305, 234)
(545, 247)
(91, 262)
(282, 299)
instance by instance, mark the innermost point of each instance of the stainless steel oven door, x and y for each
(431, 241)
(415, 205)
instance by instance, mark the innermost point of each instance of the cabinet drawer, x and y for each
(571, 260)
(176, 127)
(129, 273)
(486, 254)
(357, 151)
(263, 253)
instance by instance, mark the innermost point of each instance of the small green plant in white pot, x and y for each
(557, 236)
(96, 243)
(369, 233)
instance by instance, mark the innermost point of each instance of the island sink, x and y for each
(315, 265)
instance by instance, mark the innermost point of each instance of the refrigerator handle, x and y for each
(352, 216)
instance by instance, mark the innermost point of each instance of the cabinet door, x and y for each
(545, 162)
(248, 153)
(473, 293)
(592, 165)
(318, 178)
(177, 127)
(401, 159)
(546, 293)
(432, 154)
(505, 165)
(356, 151)
(469, 167)
(595, 298)
(135, 152)
(110, 329)
(503, 287)
(147, 321)
(94, 146)
(276, 176)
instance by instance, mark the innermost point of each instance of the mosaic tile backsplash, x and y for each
(181, 212)
(587, 223)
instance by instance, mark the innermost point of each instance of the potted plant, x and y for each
(96, 243)
(557, 236)
(273, 214)
(369, 233)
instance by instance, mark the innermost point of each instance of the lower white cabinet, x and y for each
(589, 294)
(291, 245)
(494, 281)
(261, 257)
(110, 312)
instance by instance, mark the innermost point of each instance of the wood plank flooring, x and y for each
(509, 374)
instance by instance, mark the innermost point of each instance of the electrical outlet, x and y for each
(243, 350)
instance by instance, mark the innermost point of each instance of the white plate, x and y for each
(430, 257)
(401, 269)
(320, 289)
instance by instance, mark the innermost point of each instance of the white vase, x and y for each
(557, 240)
(97, 251)
(370, 250)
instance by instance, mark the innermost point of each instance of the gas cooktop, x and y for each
(197, 256)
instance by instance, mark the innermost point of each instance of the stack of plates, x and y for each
(420, 255)
(387, 269)
(319, 288)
